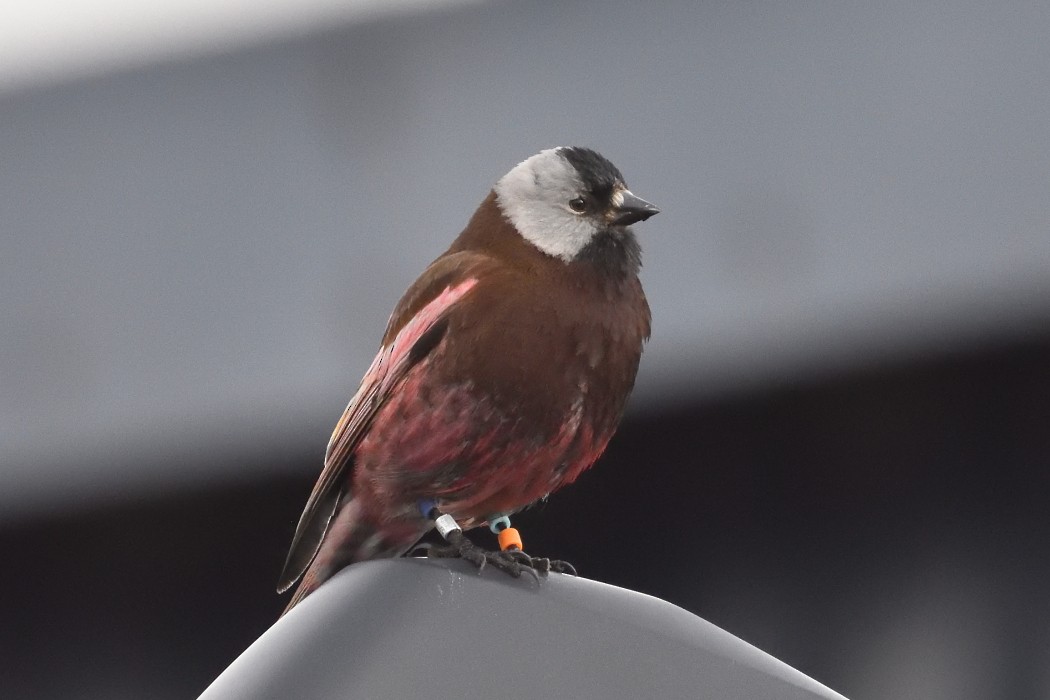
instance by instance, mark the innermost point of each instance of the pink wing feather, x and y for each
(413, 342)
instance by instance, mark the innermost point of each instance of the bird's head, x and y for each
(562, 199)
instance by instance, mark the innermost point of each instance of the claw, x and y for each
(511, 563)
(520, 557)
(541, 564)
(562, 567)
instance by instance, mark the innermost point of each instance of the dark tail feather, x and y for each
(345, 535)
(311, 532)
(353, 537)
(306, 587)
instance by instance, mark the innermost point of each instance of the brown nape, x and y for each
(489, 231)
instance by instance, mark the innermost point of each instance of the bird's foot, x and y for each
(511, 559)
(510, 541)
(544, 566)
(509, 562)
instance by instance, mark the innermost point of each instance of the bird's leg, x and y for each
(510, 559)
(510, 542)
(459, 546)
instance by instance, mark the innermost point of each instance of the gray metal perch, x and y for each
(416, 628)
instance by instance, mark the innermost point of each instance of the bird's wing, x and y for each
(410, 338)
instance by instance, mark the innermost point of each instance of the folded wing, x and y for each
(412, 342)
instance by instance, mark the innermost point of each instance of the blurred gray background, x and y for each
(207, 214)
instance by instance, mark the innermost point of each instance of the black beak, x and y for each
(632, 210)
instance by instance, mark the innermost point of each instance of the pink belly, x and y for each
(452, 446)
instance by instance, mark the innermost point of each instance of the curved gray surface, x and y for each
(414, 628)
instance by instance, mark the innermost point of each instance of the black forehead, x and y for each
(598, 173)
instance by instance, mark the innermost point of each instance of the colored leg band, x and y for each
(427, 508)
(509, 539)
(498, 523)
(446, 525)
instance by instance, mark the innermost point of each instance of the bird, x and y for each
(503, 373)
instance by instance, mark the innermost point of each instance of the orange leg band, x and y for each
(509, 539)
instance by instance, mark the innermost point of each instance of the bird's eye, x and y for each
(578, 205)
